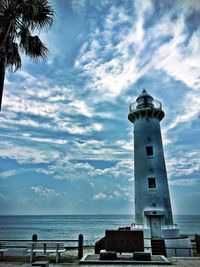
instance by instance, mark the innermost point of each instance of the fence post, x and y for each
(197, 240)
(190, 252)
(80, 246)
(34, 238)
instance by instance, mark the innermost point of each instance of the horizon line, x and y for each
(85, 214)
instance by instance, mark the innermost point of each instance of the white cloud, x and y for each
(183, 164)
(189, 111)
(141, 14)
(115, 75)
(125, 145)
(80, 107)
(117, 194)
(97, 127)
(111, 77)
(84, 166)
(80, 129)
(27, 76)
(122, 193)
(64, 169)
(100, 196)
(7, 174)
(24, 103)
(185, 182)
(47, 140)
(75, 129)
(44, 191)
(169, 57)
(37, 97)
(27, 154)
(91, 144)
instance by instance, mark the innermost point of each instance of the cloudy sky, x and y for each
(66, 145)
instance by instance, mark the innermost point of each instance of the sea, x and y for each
(65, 227)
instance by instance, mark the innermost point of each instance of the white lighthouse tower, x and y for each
(152, 200)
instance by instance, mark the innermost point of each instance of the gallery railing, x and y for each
(155, 104)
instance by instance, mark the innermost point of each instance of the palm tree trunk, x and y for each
(2, 67)
(2, 77)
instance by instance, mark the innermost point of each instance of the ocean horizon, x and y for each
(64, 227)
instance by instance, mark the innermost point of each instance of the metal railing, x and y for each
(12, 244)
(172, 226)
(137, 226)
(141, 226)
(23, 244)
(155, 104)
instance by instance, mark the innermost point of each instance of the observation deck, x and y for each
(145, 106)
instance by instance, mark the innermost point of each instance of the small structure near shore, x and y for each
(121, 241)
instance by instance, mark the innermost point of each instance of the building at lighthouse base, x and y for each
(170, 242)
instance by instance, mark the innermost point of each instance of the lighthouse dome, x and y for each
(144, 100)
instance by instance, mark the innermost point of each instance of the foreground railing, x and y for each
(23, 244)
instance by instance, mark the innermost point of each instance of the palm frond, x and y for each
(18, 18)
(33, 47)
(13, 59)
(37, 14)
(23, 36)
(3, 6)
(5, 16)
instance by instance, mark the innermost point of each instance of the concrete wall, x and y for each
(170, 233)
(182, 245)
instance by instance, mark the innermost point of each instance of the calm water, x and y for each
(70, 226)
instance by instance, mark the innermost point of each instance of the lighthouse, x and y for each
(152, 199)
(153, 231)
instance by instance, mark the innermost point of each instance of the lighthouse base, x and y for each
(174, 244)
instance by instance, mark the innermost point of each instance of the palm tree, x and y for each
(19, 19)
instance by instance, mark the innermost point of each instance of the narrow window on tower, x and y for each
(151, 183)
(149, 151)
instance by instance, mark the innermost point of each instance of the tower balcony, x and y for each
(154, 104)
(141, 108)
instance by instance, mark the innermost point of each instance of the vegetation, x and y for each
(19, 19)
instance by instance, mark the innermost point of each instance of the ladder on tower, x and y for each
(158, 246)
